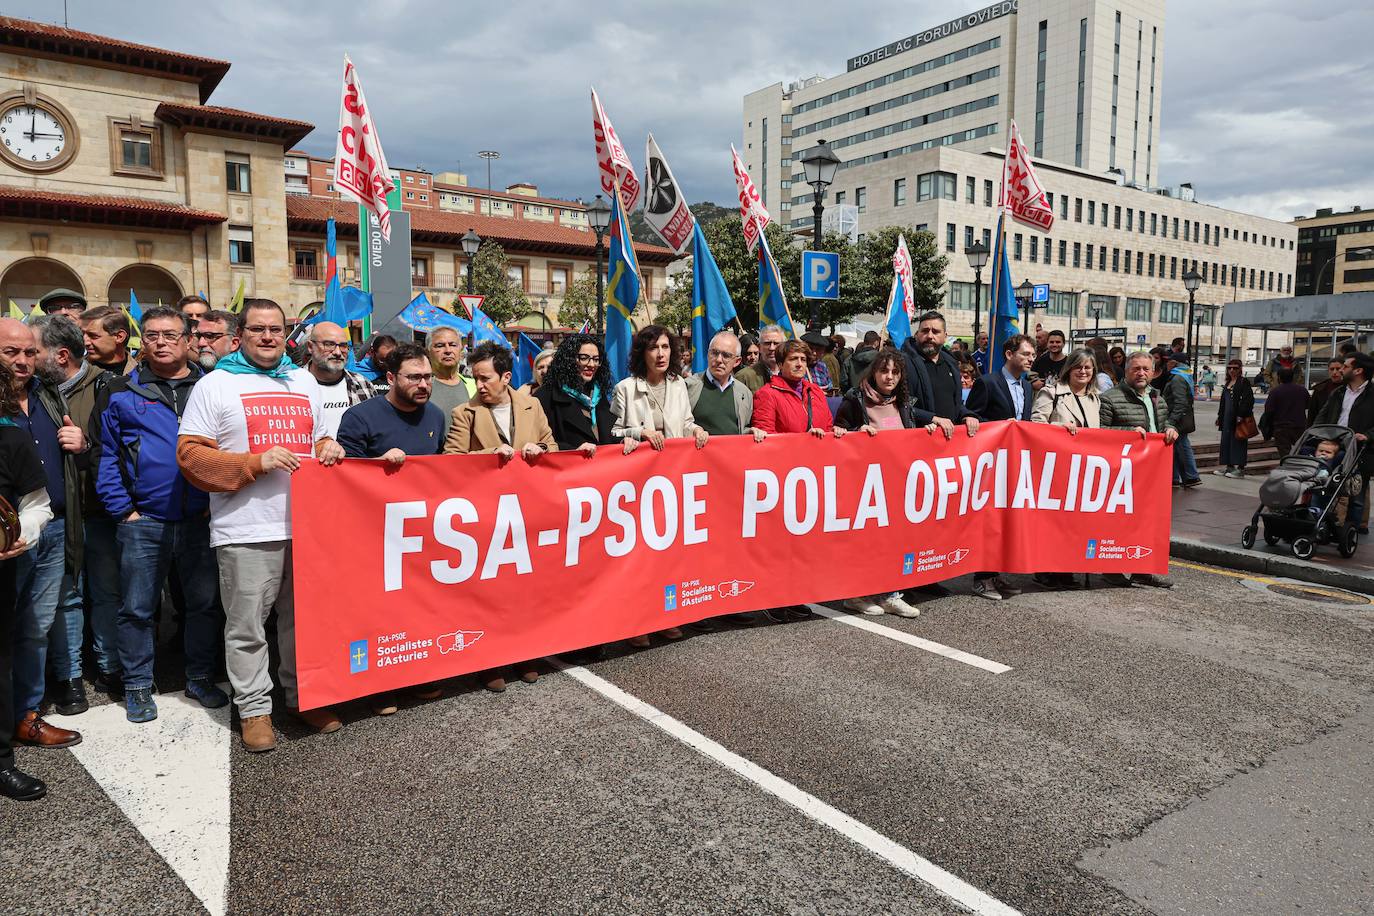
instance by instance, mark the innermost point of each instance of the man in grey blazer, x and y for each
(722, 405)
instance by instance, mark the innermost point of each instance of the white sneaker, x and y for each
(1237, 474)
(863, 606)
(987, 588)
(1222, 472)
(897, 607)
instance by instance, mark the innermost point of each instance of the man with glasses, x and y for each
(66, 302)
(756, 376)
(214, 337)
(451, 387)
(161, 515)
(45, 418)
(248, 425)
(326, 356)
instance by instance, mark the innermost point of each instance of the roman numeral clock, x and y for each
(36, 134)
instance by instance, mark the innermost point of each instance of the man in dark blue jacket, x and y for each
(1006, 394)
(933, 379)
(163, 519)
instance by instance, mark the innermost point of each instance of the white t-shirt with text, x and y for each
(253, 413)
(335, 401)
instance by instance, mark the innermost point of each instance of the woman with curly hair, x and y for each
(576, 395)
(652, 405)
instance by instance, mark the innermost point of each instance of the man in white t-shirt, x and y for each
(248, 425)
(340, 389)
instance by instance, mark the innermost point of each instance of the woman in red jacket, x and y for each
(790, 402)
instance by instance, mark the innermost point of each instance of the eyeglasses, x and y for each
(262, 330)
(155, 336)
(331, 344)
(585, 360)
(418, 378)
(720, 354)
(209, 336)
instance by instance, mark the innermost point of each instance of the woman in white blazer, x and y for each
(652, 405)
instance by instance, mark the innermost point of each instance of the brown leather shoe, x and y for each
(529, 672)
(322, 720)
(430, 691)
(493, 681)
(257, 734)
(671, 633)
(383, 704)
(33, 731)
(639, 642)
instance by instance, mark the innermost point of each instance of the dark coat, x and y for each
(571, 427)
(921, 394)
(51, 401)
(1361, 419)
(990, 398)
(1244, 393)
(853, 412)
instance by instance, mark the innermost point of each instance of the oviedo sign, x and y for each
(953, 27)
(453, 564)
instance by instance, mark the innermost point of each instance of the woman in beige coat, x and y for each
(1071, 401)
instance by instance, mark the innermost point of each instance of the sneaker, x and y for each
(1224, 472)
(204, 692)
(323, 720)
(987, 588)
(897, 607)
(863, 606)
(257, 734)
(383, 704)
(69, 697)
(1005, 588)
(139, 705)
(1189, 484)
(1235, 474)
(1152, 580)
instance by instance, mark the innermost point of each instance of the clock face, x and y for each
(32, 135)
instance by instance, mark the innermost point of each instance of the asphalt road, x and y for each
(1201, 750)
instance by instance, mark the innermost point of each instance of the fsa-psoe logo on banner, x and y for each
(734, 588)
(1136, 552)
(957, 555)
(670, 597)
(1092, 549)
(457, 641)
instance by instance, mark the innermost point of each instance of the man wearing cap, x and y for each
(1178, 397)
(63, 302)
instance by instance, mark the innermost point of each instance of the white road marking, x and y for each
(958, 655)
(953, 887)
(170, 777)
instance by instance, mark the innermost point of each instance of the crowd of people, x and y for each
(164, 475)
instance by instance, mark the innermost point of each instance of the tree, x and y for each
(504, 299)
(927, 266)
(675, 308)
(579, 301)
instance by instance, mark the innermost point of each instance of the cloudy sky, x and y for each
(1268, 105)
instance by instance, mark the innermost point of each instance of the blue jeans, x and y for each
(1185, 463)
(148, 548)
(68, 629)
(38, 587)
(102, 580)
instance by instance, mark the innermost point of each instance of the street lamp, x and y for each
(1027, 290)
(471, 241)
(1095, 308)
(977, 255)
(599, 218)
(1191, 281)
(1317, 286)
(544, 310)
(820, 165)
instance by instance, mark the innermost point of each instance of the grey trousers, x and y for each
(252, 579)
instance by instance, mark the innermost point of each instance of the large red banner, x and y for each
(454, 564)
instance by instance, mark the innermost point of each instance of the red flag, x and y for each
(360, 169)
(612, 160)
(751, 208)
(1022, 194)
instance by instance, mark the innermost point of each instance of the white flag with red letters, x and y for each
(612, 161)
(1022, 194)
(751, 208)
(360, 169)
(901, 266)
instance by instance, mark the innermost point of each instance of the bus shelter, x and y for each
(1325, 322)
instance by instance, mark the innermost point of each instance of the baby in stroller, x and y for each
(1329, 453)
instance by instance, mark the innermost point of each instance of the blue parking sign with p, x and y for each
(820, 275)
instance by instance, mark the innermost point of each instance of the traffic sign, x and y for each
(1140, 339)
(820, 277)
(1040, 294)
(471, 302)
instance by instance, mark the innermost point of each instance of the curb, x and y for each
(1285, 567)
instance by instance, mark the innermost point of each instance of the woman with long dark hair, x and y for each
(1237, 405)
(653, 405)
(576, 395)
(879, 403)
(23, 489)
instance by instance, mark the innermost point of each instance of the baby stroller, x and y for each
(1298, 498)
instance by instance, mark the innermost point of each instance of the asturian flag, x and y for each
(622, 291)
(617, 171)
(1002, 321)
(360, 170)
(484, 329)
(772, 302)
(712, 308)
(665, 209)
(751, 208)
(342, 304)
(1022, 194)
(522, 366)
(901, 300)
(135, 310)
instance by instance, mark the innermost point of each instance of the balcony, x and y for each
(308, 272)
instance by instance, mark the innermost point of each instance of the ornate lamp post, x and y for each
(599, 218)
